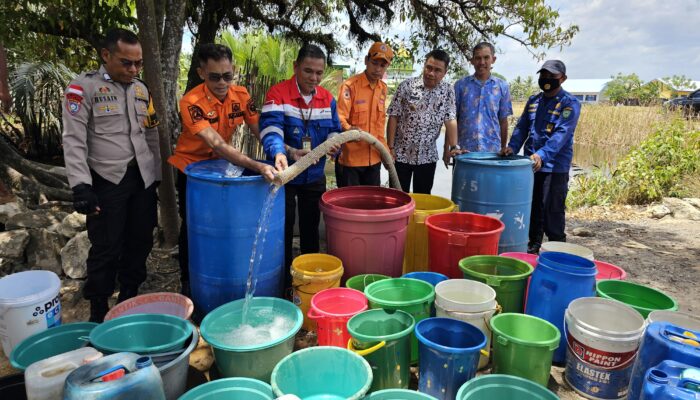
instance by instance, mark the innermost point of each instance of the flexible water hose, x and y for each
(314, 155)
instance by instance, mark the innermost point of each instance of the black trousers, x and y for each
(548, 212)
(423, 176)
(121, 235)
(307, 197)
(183, 247)
(355, 176)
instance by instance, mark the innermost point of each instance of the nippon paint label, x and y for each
(597, 373)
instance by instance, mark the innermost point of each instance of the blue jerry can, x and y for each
(672, 380)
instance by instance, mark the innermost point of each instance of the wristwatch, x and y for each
(455, 147)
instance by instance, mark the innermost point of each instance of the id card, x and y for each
(306, 143)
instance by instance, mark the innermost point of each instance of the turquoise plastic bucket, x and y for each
(399, 394)
(51, 342)
(231, 388)
(141, 334)
(323, 372)
(495, 386)
(250, 360)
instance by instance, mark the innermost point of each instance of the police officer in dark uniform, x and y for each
(112, 157)
(546, 128)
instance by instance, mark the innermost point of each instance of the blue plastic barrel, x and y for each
(663, 341)
(501, 187)
(559, 279)
(449, 352)
(672, 380)
(117, 376)
(222, 218)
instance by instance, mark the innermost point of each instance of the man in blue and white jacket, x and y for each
(297, 116)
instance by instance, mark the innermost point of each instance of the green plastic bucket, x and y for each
(360, 282)
(236, 358)
(492, 387)
(410, 295)
(51, 342)
(642, 298)
(384, 340)
(141, 334)
(322, 372)
(507, 276)
(523, 346)
(399, 394)
(231, 388)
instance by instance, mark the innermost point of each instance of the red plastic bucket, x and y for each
(366, 228)
(528, 258)
(331, 309)
(609, 271)
(454, 236)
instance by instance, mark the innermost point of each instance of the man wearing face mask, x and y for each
(546, 129)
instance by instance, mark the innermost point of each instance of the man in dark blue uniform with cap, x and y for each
(546, 128)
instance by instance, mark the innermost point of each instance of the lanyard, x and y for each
(305, 119)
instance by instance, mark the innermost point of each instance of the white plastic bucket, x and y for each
(29, 303)
(603, 340)
(569, 248)
(469, 301)
(681, 320)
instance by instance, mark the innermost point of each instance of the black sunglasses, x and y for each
(214, 77)
(128, 63)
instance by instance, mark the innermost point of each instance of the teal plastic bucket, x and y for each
(231, 388)
(399, 394)
(141, 334)
(237, 358)
(51, 342)
(323, 372)
(495, 386)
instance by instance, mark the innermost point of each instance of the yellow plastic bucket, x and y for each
(312, 273)
(416, 252)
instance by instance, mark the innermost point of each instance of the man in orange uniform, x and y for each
(362, 105)
(210, 114)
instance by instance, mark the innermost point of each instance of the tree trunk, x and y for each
(206, 33)
(171, 43)
(5, 99)
(153, 74)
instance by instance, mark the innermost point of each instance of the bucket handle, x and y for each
(568, 345)
(314, 315)
(499, 310)
(365, 352)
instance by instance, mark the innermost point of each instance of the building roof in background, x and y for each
(585, 85)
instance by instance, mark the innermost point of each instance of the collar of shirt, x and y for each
(214, 99)
(365, 81)
(479, 81)
(105, 75)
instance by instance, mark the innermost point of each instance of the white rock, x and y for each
(659, 211)
(681, 209)
(72, 224)
(34, 219)
(693, 201)
(44, 250)
(8, 210)
(13, 243)
(74, 256)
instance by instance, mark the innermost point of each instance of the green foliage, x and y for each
(630, 89)
(522, 88)
(658, 167)
(272, 55)
(679, 82)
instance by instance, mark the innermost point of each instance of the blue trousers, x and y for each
(548, 212)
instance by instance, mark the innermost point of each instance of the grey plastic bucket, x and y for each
(173, 367)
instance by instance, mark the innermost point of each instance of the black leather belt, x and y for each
(132, 163)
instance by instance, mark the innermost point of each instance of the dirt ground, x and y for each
(664, 254)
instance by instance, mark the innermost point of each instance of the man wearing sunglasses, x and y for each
(211, 113)
(110, 146)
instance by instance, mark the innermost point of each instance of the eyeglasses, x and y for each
(214, 77)
(128, 63)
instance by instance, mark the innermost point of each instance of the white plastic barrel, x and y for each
(569, 248)
(603, 341)
(469, 301)
(44, 379)
(29, 303)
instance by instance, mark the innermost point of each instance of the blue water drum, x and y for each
(449, 355)
(222, 219)
(115, 377)
(559, 279)
(672, 380)
(500, 187)
(663, 341)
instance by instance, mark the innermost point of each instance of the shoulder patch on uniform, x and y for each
(196, 113)
(251, 106)
(140, 92)
(346, 92)
(567, 112)
(73, 102)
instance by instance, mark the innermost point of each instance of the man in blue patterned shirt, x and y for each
(483, 104)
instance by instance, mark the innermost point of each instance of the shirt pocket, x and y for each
(359, 115)
(108, 119)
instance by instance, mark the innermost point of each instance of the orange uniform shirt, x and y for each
(364, 106)
(200, 109)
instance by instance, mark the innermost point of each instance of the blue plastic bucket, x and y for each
(559, 279)
(499, 187)
(322, 373)
(231, 388)
(222, 219)
(449, 352)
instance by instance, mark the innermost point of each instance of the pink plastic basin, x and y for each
(154, 303)
(609, 271)
(331, 309)
(366, 228)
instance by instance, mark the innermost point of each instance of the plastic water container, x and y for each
(663, 341)
(366, 228)
(312, 273)
(331, 309)
(44, 379)
(222, 219)
(507, 276)
(677, 318)
(503, 387)
(231, 388)
(559, 279)
(500, 187)
(154, 303)
(672, 380)
(416, 255)
(29, 303)
(118, 376)
(568, 248)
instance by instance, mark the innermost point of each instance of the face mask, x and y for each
(548, 84)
